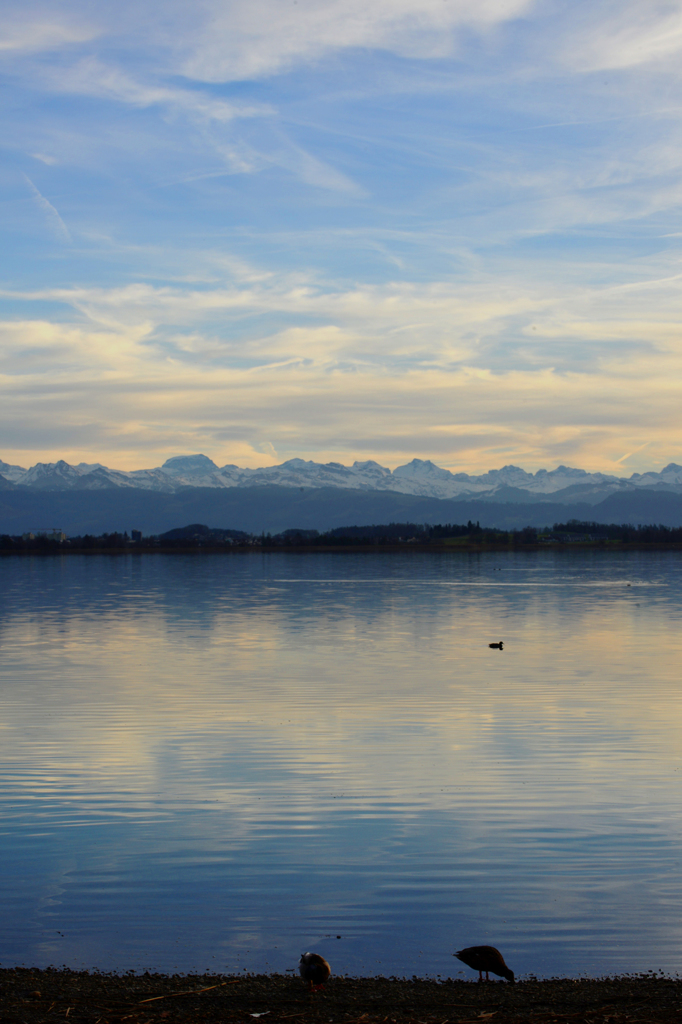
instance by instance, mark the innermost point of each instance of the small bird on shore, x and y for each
(497, 647)
(315, 970)
(485, 958)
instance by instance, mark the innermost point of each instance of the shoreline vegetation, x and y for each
(469, 537)
(33, 996)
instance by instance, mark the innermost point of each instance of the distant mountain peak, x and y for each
(419, 477)
(371, 464)
(191, 464)
(422, 468)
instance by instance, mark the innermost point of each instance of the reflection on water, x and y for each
(216, 762)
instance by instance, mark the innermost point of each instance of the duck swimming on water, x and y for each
(485, 958)
(315, 970)
(498, 647)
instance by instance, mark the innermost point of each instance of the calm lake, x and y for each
(218, 762)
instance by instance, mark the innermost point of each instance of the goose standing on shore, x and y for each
(485, 958)
(315, 970)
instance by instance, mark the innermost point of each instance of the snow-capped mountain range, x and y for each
(418, 477)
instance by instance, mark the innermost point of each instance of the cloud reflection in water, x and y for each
(213, 761)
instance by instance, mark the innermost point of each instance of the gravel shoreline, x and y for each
(29, 996)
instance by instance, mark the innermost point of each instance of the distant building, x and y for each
(136, 536)
(51, 533)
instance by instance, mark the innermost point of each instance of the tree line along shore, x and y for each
(32, 996)
(449, 536)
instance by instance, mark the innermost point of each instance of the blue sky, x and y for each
(338, 230)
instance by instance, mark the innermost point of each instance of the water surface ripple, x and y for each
(217, 762)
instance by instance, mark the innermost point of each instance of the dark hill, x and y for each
(197, 531)
(274, 509)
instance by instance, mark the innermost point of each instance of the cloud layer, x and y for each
(333, 231)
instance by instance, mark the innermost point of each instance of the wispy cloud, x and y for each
(54, 221)
(427, 228)
(629, 455)
(462, 375)
(627, 35)
(34, 35)
(264, 37)
(93, 77)
(45, 158)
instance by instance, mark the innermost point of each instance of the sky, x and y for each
(334, 230)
